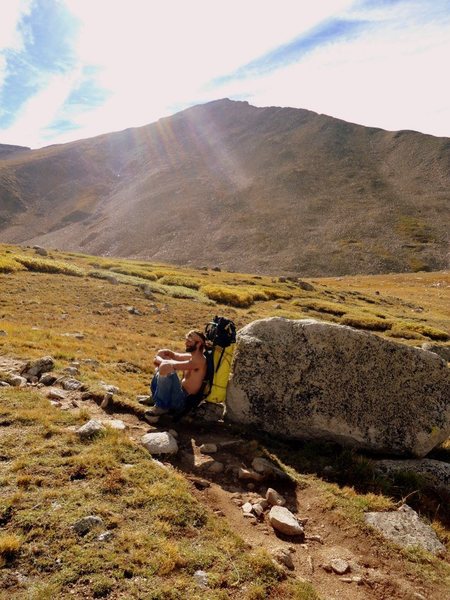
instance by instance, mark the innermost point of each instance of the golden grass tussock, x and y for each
(10, 545)
(134, 271)
(322, 306)
(42, 265)
(229, 296)
(179, 280)
(9, 265)
(366, 322)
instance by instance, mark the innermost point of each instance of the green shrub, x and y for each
(226, 295)
(363, 322)
(9, 265)
(42, 265)
(180, 281)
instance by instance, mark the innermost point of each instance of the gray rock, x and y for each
(314, 380)
(208, 448)
(105, 536)
(4, 384)
(160, 442)
(35, 368)
(210, 412)
(435, 472)
(91, 362)
(111, 389)
(268, 469)
(17, 381)
(116, 424)
(85, 524)
(247, 507)
(71, 371)
(249, 475)
(274, 498)
(339, 566)
(284, 557)
(201, 579)
(3, 333)
(47, 379)
(53, 394)
(442, 351)
(304, 285)
(71, 384)
(284, 521)
(215, 467)
(405, 528)
(40, 251)
(89, 429)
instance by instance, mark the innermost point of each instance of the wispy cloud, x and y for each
(76, 68)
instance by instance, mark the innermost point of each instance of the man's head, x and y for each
(195, 340)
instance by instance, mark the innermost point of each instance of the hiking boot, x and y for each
(153, 413)
(145, 400)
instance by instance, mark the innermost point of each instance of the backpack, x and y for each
(221, 333)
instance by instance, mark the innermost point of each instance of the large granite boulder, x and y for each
(313, 380)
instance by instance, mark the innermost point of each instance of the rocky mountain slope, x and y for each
(225, 183)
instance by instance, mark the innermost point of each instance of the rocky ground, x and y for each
(268, 509)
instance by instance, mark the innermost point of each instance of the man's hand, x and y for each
(165, 354)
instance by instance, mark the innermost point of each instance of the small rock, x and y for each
(35, 368)
(258, 510)
(215, 467)
(314, 538)
(284, 521)
(339, 566)
(106, 400)
(134, 311)
(268, 469)
(3, 333)
(201, 579)
(283, 557)
(17, 381)
(40, 251)
(110, 389)
(249, 474)
(85, 524)
(107, 305)
(4, 384)
(71, 384)
(47, 379)
(91, 362)
(71, 371)
(160, 443)
(56, 403)
(274, 498)
(89, 429)
(247, 508)
(116, 424)
(105, 536)
(208, 448)
(55, 395)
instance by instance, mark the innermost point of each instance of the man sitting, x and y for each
(168, 392)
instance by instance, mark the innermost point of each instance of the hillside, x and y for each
(225, 183)
(159, 523)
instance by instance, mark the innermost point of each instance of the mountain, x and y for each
(250, 189)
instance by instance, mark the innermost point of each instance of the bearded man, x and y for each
(168, 392)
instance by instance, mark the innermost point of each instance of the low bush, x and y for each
(426, 330)
(322, 307)
(42, 265)
(9, 265)
(180, 281)
(363, 322)
(9, 547)
(135, 272)
(226, 295)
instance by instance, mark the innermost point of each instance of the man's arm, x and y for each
(169, 366)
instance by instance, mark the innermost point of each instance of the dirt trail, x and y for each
(376, 573)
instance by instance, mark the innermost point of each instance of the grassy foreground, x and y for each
(118, 312)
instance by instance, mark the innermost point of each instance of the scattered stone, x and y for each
(249, 474)
(338, 385)
(116, 424)
(405, 528)
(274, 498)
(201, 579)
(247, 507)
(89, 429)
(77, 335)
(55, 403)
(3, 333)
(284, 557)
(106, 400)
(85, 524)
(111, 389)
(284, 521)
(145, 399)
(17, 381)
(215, 467)
(268, 469)
(91, 362)
(200, 484)
(71, 371)
(339, 566)
(314, 538)
(71, 384)
(304, 285)
(47, 379)
(35, 368)
(134, 311)
(105, 536)
(208, 448)
(258, 510)
(55, 395)
(40, 251)
(107, 305)
(4, 384)
(160, 443)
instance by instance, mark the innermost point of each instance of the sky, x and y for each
(71, 69)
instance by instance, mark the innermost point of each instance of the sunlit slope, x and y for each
(255, 189)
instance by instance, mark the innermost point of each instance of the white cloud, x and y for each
(10, 37)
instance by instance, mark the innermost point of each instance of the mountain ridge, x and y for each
(264, 189)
